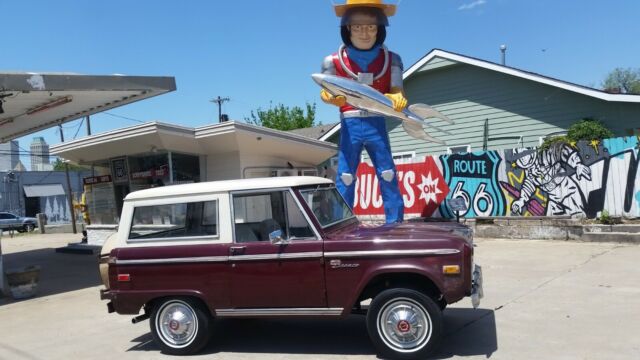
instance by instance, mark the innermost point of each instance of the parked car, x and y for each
(281, 247)
(9, 221)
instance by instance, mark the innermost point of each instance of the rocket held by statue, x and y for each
(367, 98)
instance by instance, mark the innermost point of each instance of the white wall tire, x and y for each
(180, 326)
(404, 324)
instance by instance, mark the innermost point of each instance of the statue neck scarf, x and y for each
(363, 58)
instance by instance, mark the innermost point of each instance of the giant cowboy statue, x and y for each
(364, 58)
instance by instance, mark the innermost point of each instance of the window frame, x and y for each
(181, 239)
(328, 188)
(232, 214)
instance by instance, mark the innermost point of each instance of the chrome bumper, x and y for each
(477, 292)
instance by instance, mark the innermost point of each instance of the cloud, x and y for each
(472, 5)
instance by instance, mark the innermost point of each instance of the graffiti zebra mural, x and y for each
(577, 179)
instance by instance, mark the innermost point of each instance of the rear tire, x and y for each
(404, 324)
(181, 326)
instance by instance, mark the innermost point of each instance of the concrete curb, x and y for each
(563, 230)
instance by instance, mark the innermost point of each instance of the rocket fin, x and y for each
(426, 112)
(415, 129)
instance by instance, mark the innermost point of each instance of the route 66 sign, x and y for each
(473, 177)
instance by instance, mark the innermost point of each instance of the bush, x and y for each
(552, 142)
(588, 129)
(585, 129)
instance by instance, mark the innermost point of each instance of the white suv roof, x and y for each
(228, 185)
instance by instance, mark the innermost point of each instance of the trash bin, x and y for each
(23, 283)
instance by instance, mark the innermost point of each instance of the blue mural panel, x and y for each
(473, 177)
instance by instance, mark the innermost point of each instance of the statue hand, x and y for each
(330, 99)
(398, 100)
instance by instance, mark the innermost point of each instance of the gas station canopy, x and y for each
(30, 102)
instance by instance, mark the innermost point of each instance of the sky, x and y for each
(262, 53)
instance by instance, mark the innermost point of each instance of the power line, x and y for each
(78, 129)
(123, 117)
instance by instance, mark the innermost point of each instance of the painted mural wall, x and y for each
(580, 179)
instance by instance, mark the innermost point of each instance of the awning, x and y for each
(43, 190)
(30, 102)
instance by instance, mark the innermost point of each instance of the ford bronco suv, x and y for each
(281, 247)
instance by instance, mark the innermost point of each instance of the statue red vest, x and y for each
(383, 84)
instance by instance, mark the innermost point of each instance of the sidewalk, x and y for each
(543, 299)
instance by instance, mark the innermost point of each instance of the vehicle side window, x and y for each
(4, 216)
(257, 215)
(175, 221)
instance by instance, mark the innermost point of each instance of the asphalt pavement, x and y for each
(543, 299)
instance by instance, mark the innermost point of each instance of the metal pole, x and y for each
(88, 125)
(170, 158)
(69, 192)
(2, 291)
(486, 135)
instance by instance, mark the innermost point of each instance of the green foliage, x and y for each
(552, 142)
(58, 165)
(588, 129)
(626, 80)
(585, 129)
(607, 219)
(284, 118)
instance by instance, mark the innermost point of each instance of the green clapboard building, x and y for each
(499, 107)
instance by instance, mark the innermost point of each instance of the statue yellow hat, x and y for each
(388, 9)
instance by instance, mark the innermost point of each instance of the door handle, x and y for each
(237, 250)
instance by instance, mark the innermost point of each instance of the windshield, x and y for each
(327, 205)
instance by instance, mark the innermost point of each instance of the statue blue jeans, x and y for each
(369, 133)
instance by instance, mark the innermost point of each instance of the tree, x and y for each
(284, 118)
(58, 165)
(626, 80)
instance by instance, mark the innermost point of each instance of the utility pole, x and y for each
(219, 101)
(70, 198)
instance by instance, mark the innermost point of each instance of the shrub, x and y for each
(585, 129)
(588, 129)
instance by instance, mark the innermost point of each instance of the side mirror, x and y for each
(275, 238)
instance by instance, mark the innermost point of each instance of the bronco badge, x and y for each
(337, 264)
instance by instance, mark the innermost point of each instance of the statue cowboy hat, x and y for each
(388, 9)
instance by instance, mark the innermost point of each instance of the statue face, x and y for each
(364, 30)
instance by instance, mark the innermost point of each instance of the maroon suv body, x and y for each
(282, 248)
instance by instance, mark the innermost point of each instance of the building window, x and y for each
(404, 157)
(182, 221)
(459, 149)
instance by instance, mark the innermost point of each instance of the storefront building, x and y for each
(159, 154)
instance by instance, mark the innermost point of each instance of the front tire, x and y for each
(404, 324)
(181, 326)
(28, 227)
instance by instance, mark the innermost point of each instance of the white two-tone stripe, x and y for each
(387, 253)
(290, 256)
(302, 255)
(199, 259)
(279, 312)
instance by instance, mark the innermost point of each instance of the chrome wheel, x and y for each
(177, 324)
(404, 325)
